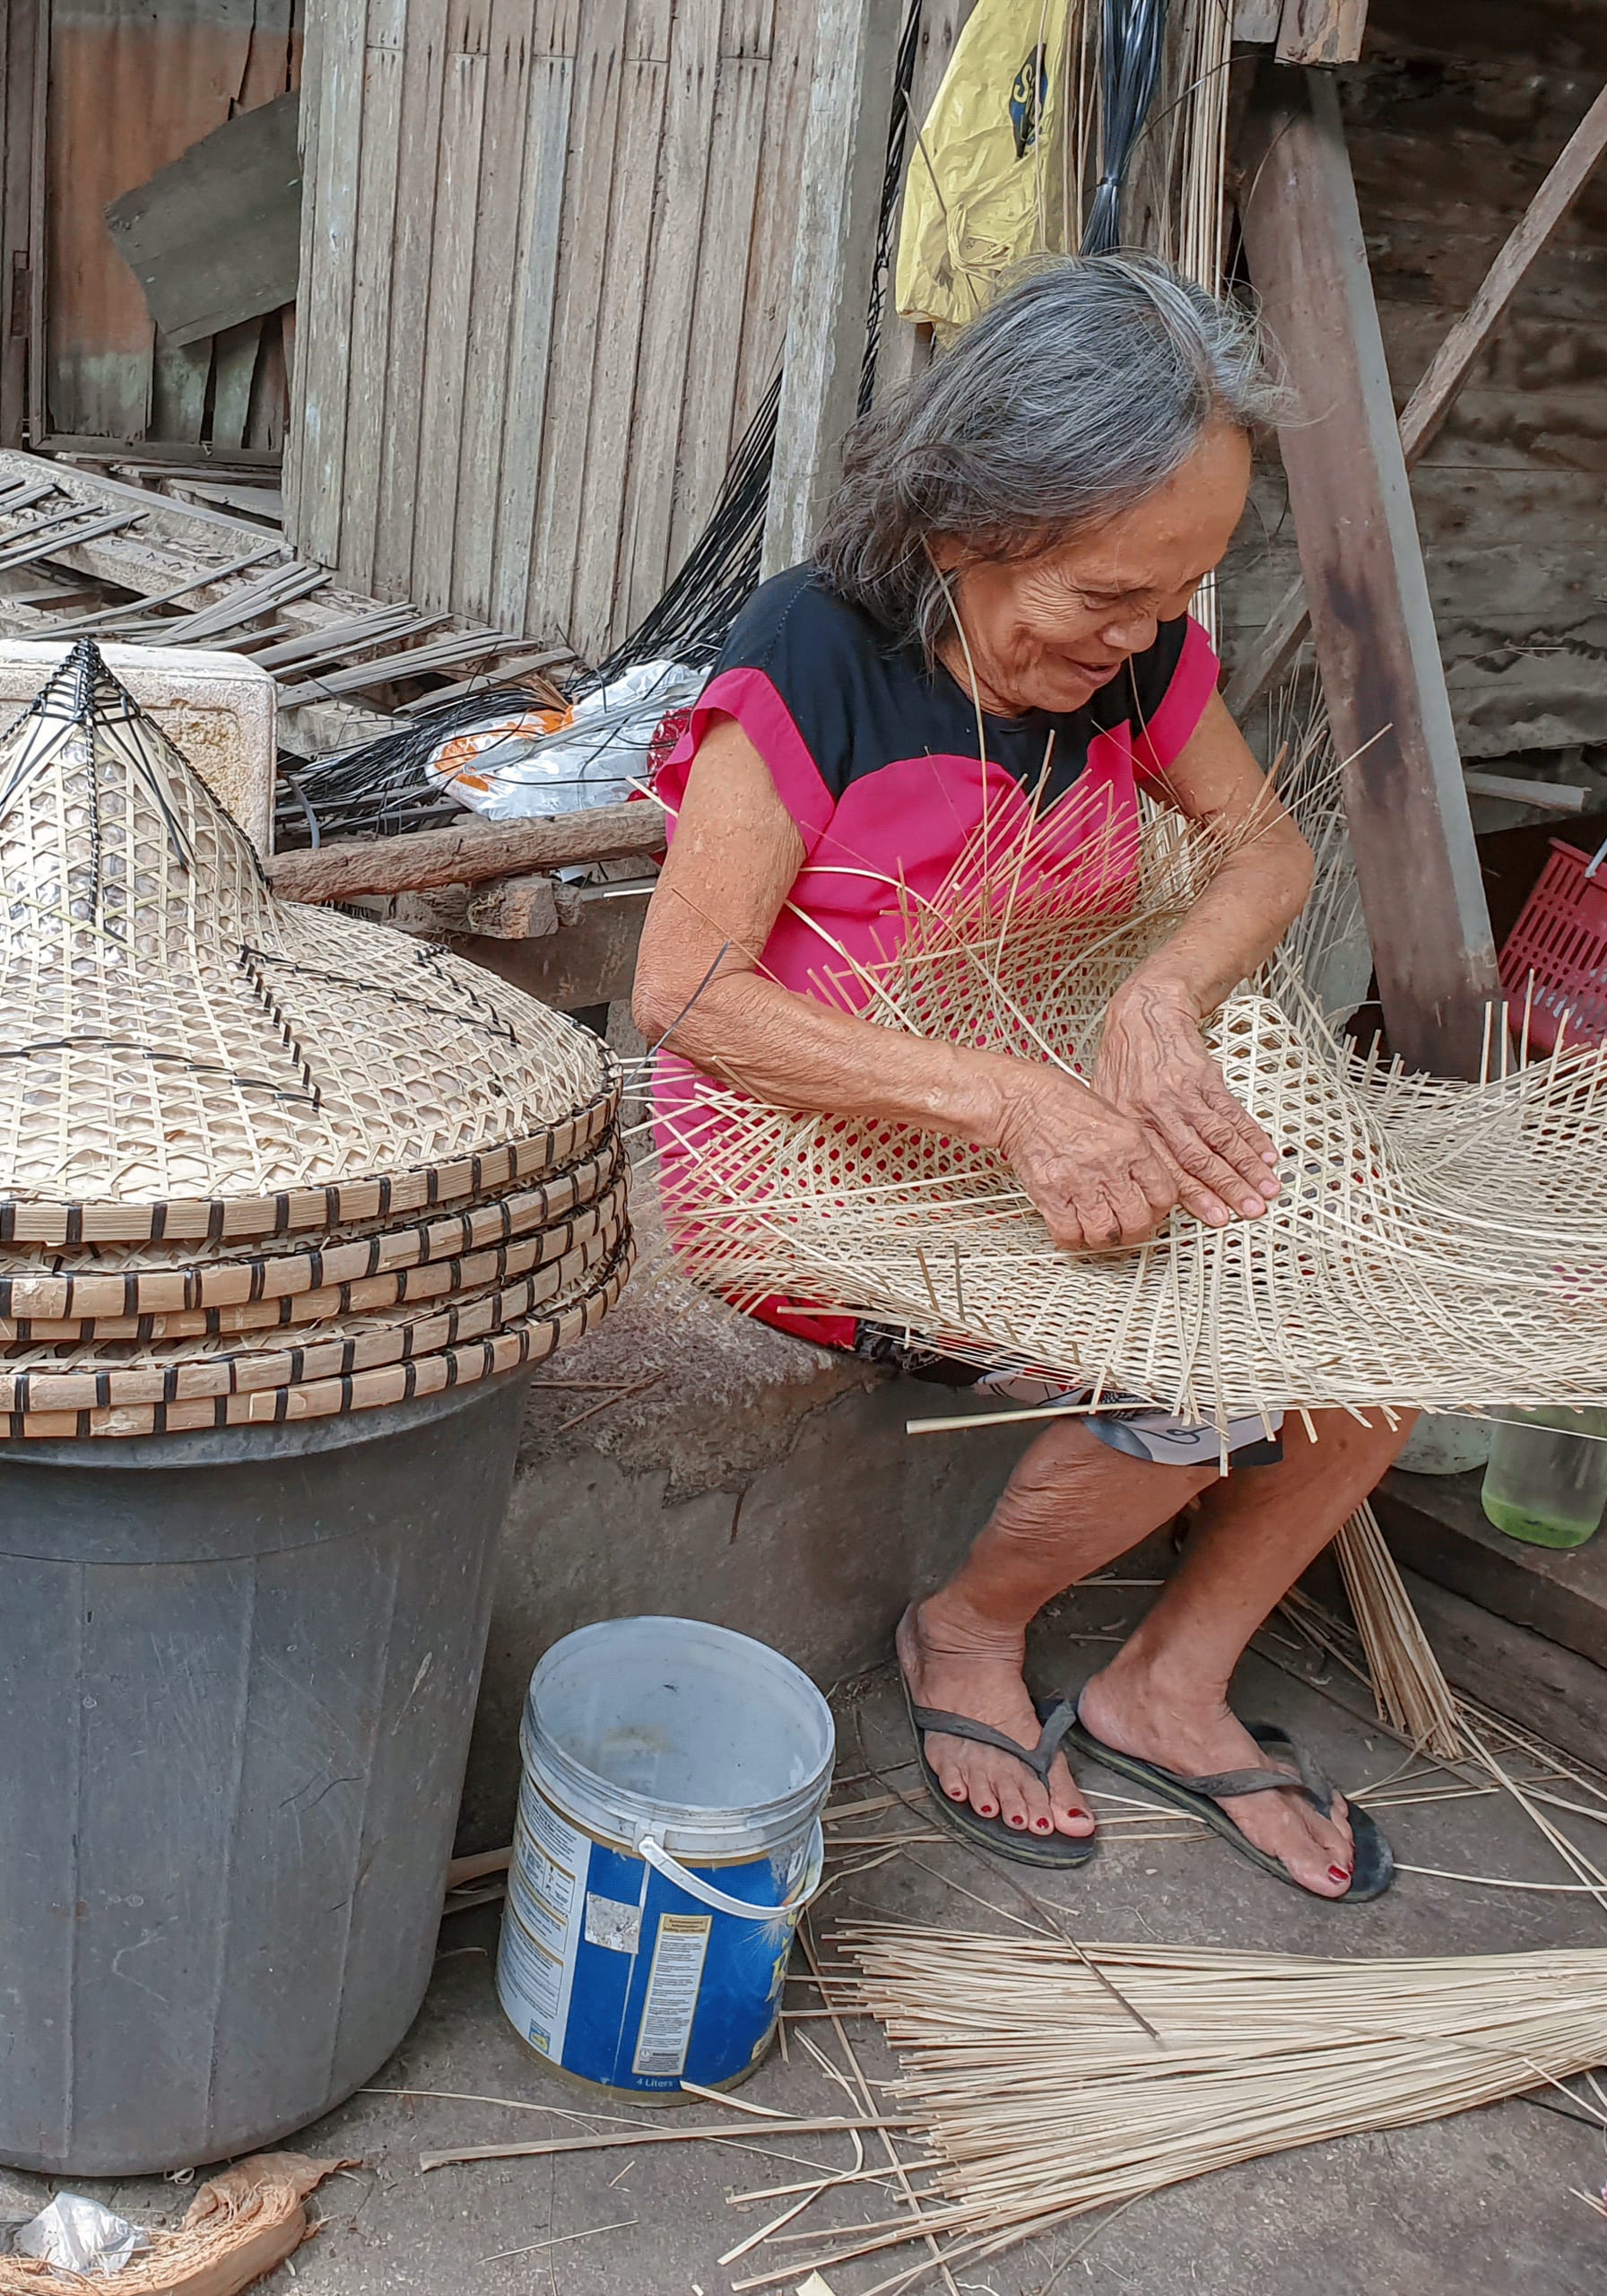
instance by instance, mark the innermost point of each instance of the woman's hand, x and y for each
(1095, 1174)
(1153, 1066)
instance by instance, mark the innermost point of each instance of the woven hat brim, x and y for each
(210, 1220)
(528, 1341)
(180, 1371)
(413, 1287)
(148, 1281)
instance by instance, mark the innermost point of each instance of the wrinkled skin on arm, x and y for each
(1104, 1166)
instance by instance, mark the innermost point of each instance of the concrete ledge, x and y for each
(686, 1460)
(1438, 1528)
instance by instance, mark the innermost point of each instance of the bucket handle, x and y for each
(660, 1860)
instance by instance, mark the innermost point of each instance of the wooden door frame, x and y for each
(24, 80)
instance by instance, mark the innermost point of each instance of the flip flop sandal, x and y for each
(1374, 1868)
(1059, 1718)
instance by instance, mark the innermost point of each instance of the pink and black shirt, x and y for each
(875, 756)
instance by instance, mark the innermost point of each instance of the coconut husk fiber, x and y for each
(241, 2225)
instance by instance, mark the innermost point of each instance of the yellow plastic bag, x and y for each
(982, 190)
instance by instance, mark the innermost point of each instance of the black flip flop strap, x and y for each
(1038, 1759)
(1223, 1785)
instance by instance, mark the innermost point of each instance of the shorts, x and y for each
(1126, 1422)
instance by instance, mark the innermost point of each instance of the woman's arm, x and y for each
(1094, 1173)
(1152, 1061)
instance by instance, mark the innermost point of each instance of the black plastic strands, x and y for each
(1131, 43)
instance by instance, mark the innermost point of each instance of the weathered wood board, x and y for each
(214, 237)
(547, 252)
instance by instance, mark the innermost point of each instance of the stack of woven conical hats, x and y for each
(260, 1161)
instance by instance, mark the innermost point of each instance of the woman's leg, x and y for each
(1071, 1506)
(1164, 1696)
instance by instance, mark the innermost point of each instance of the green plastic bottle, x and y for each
(1547, 1478)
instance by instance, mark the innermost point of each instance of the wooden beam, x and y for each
(590, 960)
(469, 855)
(1448, 370)
(19, 253)
(1446, 373)
(1376, 646)
(834, 249)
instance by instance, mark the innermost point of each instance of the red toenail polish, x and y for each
(1338, 1873)
(956, 1793)
(1042, 1824)
(984, 1809)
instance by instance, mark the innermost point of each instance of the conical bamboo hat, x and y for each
(54, 1294)
(147, 1371)
(423, 1277)
(529, 1340)
(184, 1058)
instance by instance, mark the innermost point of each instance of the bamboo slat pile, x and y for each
(1043, 2098)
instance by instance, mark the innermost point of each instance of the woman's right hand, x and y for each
(1095, 1175)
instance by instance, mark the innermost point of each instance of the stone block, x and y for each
(217, 708)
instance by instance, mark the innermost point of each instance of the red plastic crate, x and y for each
(1561, 938)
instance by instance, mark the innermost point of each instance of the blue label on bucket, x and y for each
(621, 1977)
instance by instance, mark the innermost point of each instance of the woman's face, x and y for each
(1047, 633)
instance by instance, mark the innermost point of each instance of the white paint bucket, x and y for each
(668, 1838)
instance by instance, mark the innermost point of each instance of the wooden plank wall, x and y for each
(546, 252)
(97, 95)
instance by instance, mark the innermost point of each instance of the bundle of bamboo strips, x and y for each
(1044, 2099)
(1411, 1692)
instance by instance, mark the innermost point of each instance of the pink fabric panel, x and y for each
(1172, 727)
(903, 827)
(749, 697)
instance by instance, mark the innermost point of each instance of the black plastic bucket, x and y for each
(237, 1681)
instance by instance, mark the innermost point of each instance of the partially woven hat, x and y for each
(260, 1160)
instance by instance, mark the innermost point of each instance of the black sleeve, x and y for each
(852, 697)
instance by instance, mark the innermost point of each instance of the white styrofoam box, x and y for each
(217, 708)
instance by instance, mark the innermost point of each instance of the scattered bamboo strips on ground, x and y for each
(818, 2125)
(1043, 2102)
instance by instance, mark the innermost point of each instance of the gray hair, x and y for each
(1083, 387)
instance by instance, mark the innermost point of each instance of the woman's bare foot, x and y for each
(1126, 1707)
(955, 1661)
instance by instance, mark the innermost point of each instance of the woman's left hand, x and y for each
(1154, 1066)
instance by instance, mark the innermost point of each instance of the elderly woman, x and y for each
(1010, 555)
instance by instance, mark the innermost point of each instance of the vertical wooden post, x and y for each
(845, 150)
(1362, 567)
(24, 64)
